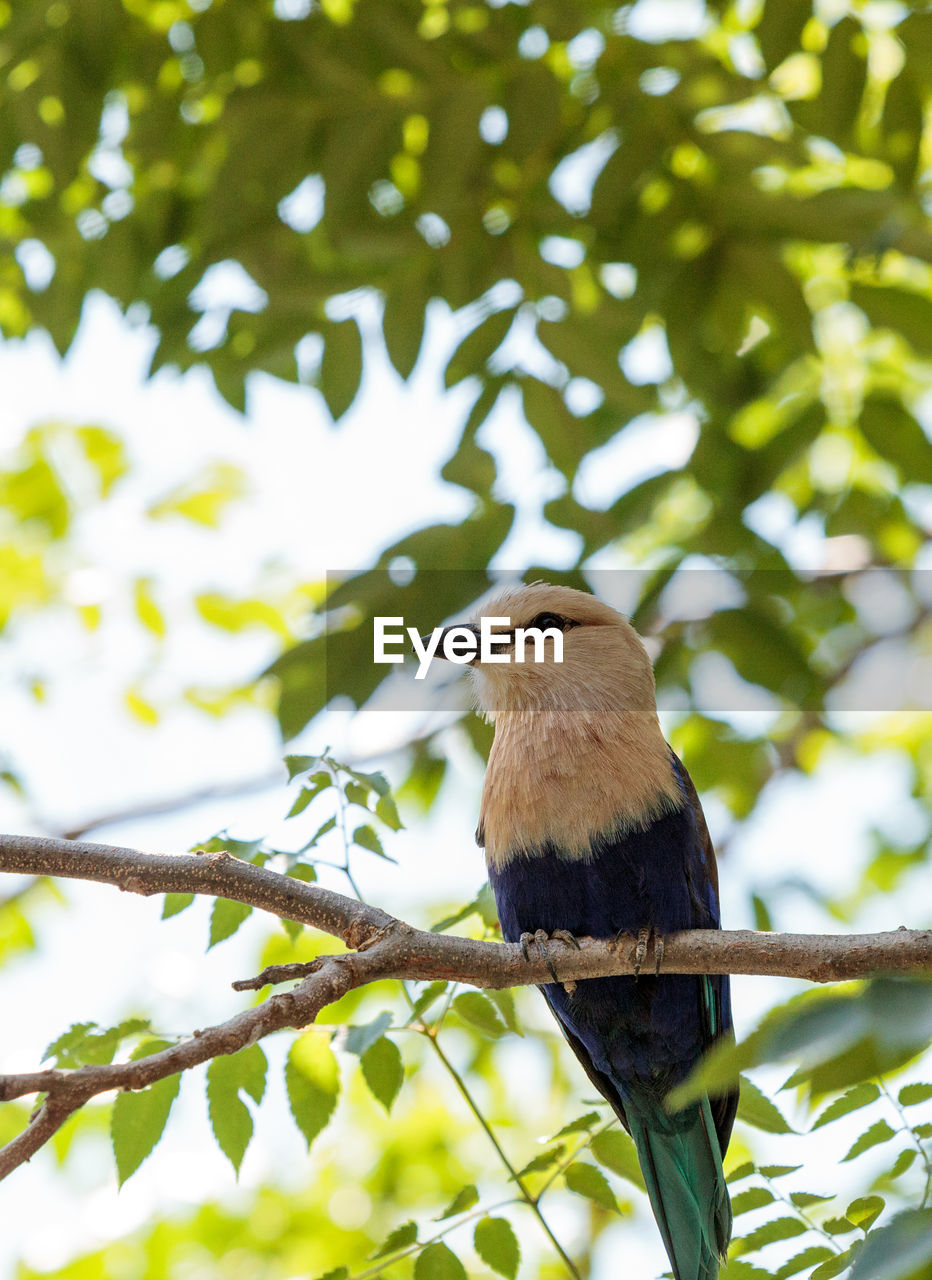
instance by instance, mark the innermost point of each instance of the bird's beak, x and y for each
(468, 626)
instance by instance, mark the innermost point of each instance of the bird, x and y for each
(592, 827)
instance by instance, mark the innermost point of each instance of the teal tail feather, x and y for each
(682, 1166)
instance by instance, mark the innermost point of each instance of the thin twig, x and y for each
(804, 1217)
(431, 1035)
(503, 1157)
(563, 1165)
(907, 1128)
(418, 1245)
(176, 804)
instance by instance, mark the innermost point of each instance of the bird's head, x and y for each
(605, 668)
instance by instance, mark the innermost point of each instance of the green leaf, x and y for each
(237, 615)
(800, 1261)
(360, 1038)
(762, 918)
(718, 1070)
(775, 1229)
(204, 500)
(246, 850)
(470, 909)
(140, 708)
(147, 610)
(438, 1262)
(433, 991)
(497, 1246)
(291, 927)
(477, 347)
(366, 838)
(139, 1117)
(504, 1002)
(911, 1094)
(860, 1096)
(375, 781)
(586, 1180)
(175, 903)
(225, 918)
(312, 1080)
(106, 453)
(753, 1198)
(300, 764)
(357, 794)
(401, 1238)
(741, 1171)
(559, 431)
(85, 1044)
(844, 1038)
(485, 905)
(544, 1161)
(805, 1199)
(763, 652)
(64, 1046)
(756, 1109)
(324, 829)
(834, 1266)
(306, 872)
(318, 783)
(902, 1250)
(865, 1211)
(478, 1011)
(903, 1162)
(464, 1199)
(387, 810)
(778, 1170)
(738, 1269)
(403, 324)
(615, 1150)
(582, 1124)
(896, 434)
(230, 1118)
(838, 1226)
(383, 1070)
(341, 366)
(879, 1132)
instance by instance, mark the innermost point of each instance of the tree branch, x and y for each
(383, 947)
(406, 952)
(217, 875)
(69, 1090)
(178, 803)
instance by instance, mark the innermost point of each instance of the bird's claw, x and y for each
(640, 949)
(541, 937)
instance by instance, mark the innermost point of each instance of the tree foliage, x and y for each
(631, 228)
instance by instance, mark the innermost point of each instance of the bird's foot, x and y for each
(640, 949)
(541, 937)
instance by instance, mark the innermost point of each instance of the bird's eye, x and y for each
(546, 621)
